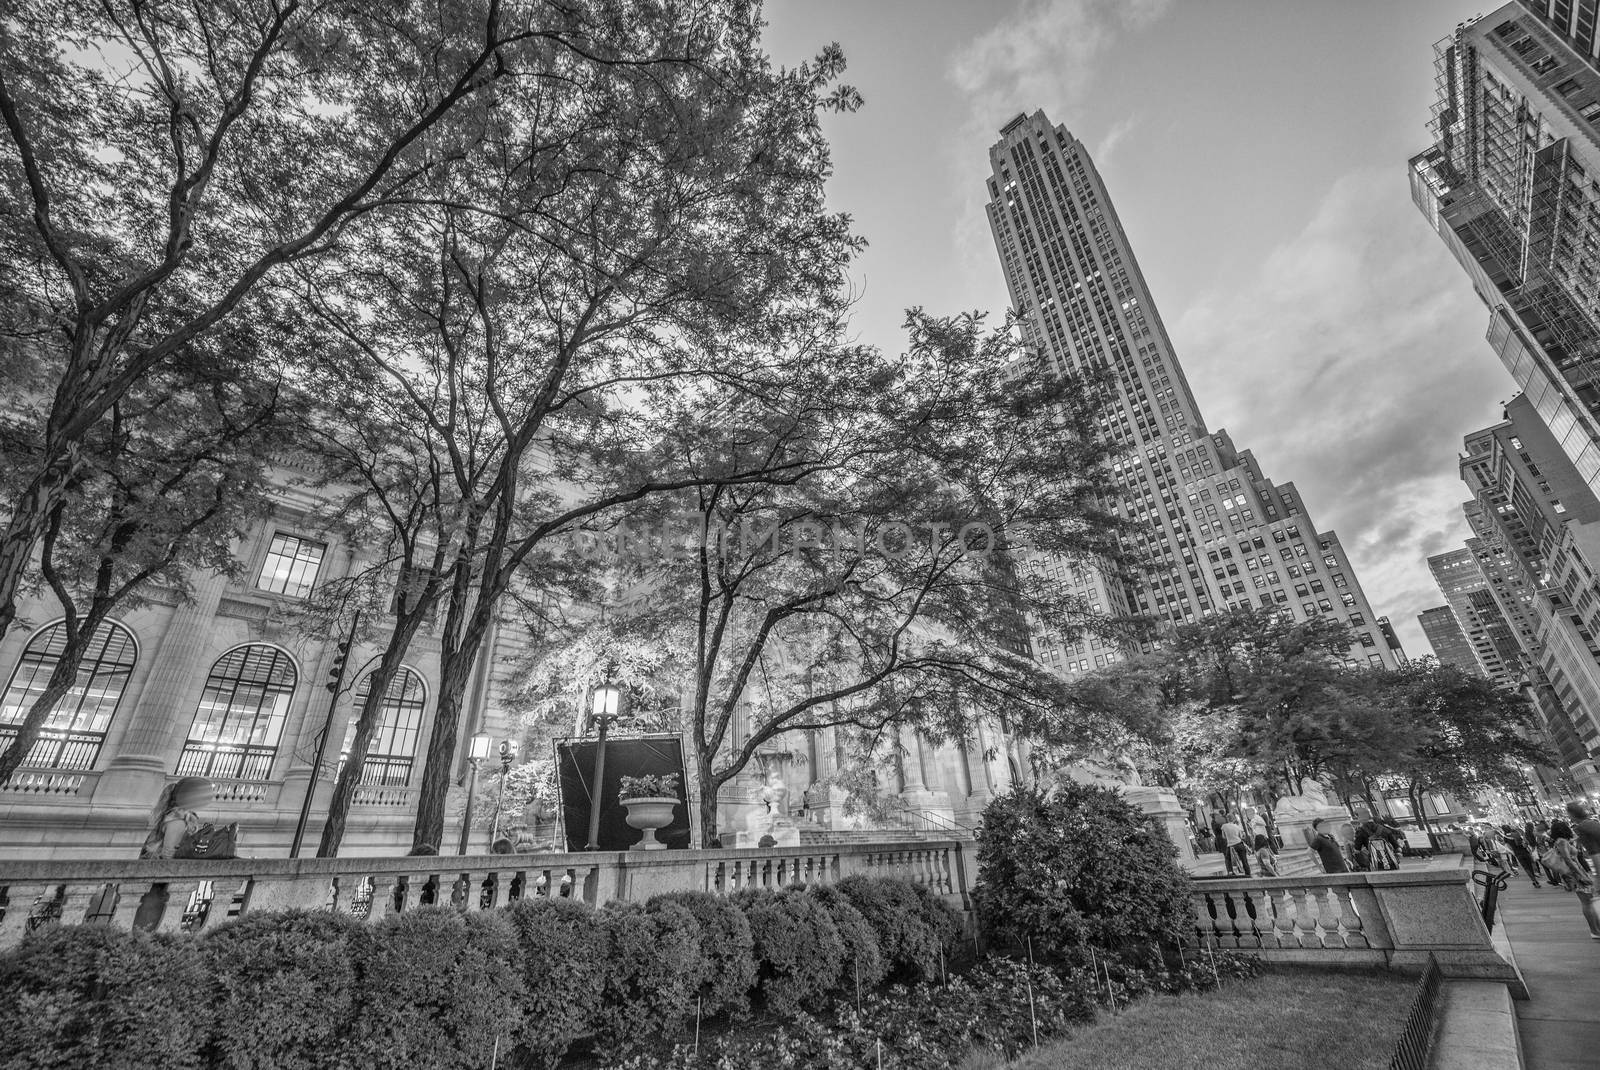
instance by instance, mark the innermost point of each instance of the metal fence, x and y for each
(1411, 1052)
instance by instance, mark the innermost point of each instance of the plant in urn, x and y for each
(650, 801)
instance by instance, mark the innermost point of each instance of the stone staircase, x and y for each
(817, 836)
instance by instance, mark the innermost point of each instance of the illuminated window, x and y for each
(240, 717)
(393, 747)
(77, 724)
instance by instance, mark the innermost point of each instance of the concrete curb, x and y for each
(1477, 1028)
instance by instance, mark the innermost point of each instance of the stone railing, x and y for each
(1395, 919)
(190, 895)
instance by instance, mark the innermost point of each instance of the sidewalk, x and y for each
(1560, 1022)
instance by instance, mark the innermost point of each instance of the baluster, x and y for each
(1284, 909)
(181, 895)
(1305, 918)
(1217, 917)
(1328, 917)
(19, 906)
(1228, 920)
(483, 889)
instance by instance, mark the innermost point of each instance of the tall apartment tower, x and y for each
(1449, 643)
(1512, 186)
(1488, 633)
(1220, 534)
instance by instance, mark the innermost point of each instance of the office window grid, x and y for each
(291, 565)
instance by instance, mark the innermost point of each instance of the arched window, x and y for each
(393, 750)
(73, 734)
(240, 716)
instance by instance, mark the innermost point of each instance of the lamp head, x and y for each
(478, 748)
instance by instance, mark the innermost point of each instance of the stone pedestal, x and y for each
(1295, 814)
(1163, 805)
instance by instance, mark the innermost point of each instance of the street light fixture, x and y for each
(603, 706)
(477, 751)
(508, 753)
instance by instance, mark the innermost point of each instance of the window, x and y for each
(76, 727)
(1317, 586)
(1568, 87)
(1375, 660)
(240, 717)
(1308, 608)
(1300, 590)
(1367, 640)
(1348, 598)
(393, 747)
(291, 565)
(1357, 619)
(1339, 580)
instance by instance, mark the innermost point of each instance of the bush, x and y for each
(863, 968)
(798, 951)
(909, 945)
(653, 959)
(563, 949)
(1080, 868)
(90, 995)
(940, 917)
(727, 951)
(284, 987)
(439, 988)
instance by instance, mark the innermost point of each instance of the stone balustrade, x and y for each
(190, 895)
(1394, 919)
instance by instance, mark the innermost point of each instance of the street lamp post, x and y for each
(477, 751)
(508, 751)
(604, 711)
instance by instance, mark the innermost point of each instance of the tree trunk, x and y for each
(455, 673)
(710, 788)
(62, 677)
(25, 525)
(1366, 791)
(344, 792)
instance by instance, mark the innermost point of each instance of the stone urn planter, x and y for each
(650, 814)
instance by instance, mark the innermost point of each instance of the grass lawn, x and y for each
(1308, 1020)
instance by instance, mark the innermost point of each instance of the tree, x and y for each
(162, 488)
(617, 236)
(1472, 734)
(162, 163)
(881, 590)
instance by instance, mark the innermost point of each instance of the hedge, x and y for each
(727, 951)
(799, 955)
(283, 987)
(91, 995)
(564, 959)
(654, 968)
(440, 987)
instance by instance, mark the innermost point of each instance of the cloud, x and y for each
(1352, 363)
(1043, 55)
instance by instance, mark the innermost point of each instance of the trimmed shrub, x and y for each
(863, 967)
(1080, 868)
(940, 917)
(909, 944)
(284, 987)
(564, 961)
(439, 988)
(798, 951)
(90, 995)
(727, 951)
(653, 959)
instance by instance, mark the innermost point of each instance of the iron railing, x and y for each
(55, 749)
(1492, 884)
(1411, 1051)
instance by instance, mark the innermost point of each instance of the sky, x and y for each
(1255, 151)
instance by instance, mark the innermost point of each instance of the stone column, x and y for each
(136, 774)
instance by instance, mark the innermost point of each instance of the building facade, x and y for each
(1217, 532)
(1449, 643)
(1511, 184)
(229, 684)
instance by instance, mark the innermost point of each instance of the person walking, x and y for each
(1328, 850)
(1236, 848)
(1524, 855)
(1586, 833)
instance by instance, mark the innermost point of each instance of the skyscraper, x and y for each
(1218, 532)
(1488, 633)
(1512, 186)
(1445, 636)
